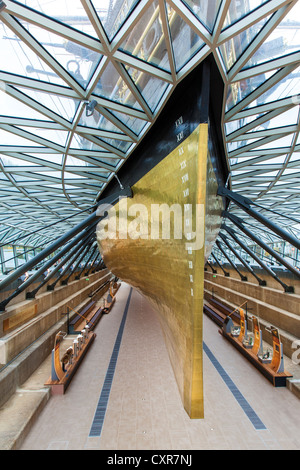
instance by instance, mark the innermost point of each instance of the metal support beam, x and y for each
(219, 264)
(256, 258)
(245, 204)
(81, 257)
(110, 200)
(225, 240)
(78, 250)
(237, 221)
(32, 294)
(74, 255)
(243, 278)
(87, 262)
(44, 267)
(211, 267)
(92, 264)
(97, 264)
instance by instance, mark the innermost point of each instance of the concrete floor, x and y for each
(144, 410)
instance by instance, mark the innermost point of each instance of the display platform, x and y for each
(63, 369)
(269, 363)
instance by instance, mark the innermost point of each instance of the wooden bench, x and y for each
(91, 314)
(81, 315)
(216, 315)
(218, 311)
(100, 290)
(224, 309)
(96, 317)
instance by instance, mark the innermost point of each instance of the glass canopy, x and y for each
(77, 84)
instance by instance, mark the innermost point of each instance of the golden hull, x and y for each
(164, 257)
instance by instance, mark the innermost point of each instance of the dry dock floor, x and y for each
(124, 395)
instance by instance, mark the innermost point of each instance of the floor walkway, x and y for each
(124, 395)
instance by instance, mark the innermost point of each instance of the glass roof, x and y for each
(81, 83)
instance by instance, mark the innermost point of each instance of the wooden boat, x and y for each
(174, 174)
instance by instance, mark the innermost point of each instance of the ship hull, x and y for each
(159, 240)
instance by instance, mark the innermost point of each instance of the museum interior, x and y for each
(149, 226)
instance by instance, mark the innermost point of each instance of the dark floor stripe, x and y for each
(255, 420)
(99, 416)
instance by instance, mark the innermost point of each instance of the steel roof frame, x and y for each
(251, 165)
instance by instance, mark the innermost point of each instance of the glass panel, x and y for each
(98, 121)
(282, 142)
(149, 86)
(81, 143)
(26, 180)
(285, 39)
(238, 9)
(288, 86)
(92, 171)
(10, 106)
(232, 126)
(118, 144)
(70, 13)
(20, 255)
(232, 50)
(113, 13)
(65, 107)
(113, 87)
(57, 137)
(244, 142)
(292, 172)
(8, 138)
(8, 253)
(287, 118)
(231, 146)
(205, 10)
(19, 59)
(11, 161)
(146, 41)
(237, 91)
(185, 41)
(295, 156)
(40, 158)
(136, 125)
(77, 60)
(277, 160)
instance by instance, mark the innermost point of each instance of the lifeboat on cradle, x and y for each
(159, 240)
